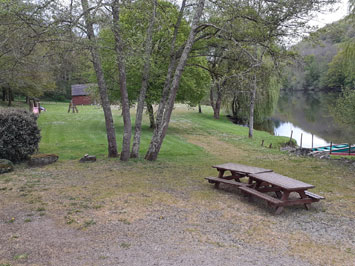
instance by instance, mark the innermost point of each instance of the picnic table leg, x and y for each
(221, 173)
(257, 184)
(278, 194)
(303, 196)
(284, 197)
(236, 176)
(216, 185)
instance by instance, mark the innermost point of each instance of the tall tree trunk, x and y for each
(145, 79)
(127, 131)
(12, 95)
(161, 128)
(217, 109)
(3, 94)
(9, 96)
(110, 129)
(234, 107)
(216, 106)
(151, 115)
(165, 94)
(30, 106)
(252, 107)
(199, 108)
(212, 99)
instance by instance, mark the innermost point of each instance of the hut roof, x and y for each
(81, 89)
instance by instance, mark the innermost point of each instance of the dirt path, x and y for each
(216, 147)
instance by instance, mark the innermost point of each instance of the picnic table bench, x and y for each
(262, 181)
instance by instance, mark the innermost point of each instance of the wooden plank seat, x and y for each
(261, 195)
(314, 196)
(217, 181)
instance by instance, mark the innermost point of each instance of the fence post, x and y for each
(291, 137)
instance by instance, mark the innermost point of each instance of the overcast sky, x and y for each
(340, 12)
(321, 19)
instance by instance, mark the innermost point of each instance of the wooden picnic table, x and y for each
(283, 186)
(262, 181)
(237, 170)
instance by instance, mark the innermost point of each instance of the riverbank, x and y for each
(310, 113)
(164, 212)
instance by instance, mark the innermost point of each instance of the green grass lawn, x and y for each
(72, 135)
(193, 141)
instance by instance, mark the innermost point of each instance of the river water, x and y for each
(309, 113)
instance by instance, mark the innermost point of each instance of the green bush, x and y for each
(19, 134)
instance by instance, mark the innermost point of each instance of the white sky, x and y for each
(321, 19)
(340, 11)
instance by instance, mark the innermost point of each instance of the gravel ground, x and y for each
(181, 233)
(111, 213)
(150, 241)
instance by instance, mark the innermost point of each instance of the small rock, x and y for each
(288, 148)
(88, 158)
(42, 159)
(321, 155)
(301, 151)
(6, 166)
(327, 156)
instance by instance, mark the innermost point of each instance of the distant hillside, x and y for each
(321, 65)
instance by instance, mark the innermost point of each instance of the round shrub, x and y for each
(5, 167)
(19, 134)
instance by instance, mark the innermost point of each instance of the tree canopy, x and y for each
(160, 52)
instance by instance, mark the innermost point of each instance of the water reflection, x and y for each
(285, 128)
(307, 113)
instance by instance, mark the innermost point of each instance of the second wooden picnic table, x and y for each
(238, 170)
(261, 181)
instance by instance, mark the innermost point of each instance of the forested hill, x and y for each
(323, 64)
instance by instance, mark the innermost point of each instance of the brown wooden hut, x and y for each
(80, 94)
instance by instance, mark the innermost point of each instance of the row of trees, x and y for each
(23, 66)
(153, 51)
(345, 105)
(327, 61)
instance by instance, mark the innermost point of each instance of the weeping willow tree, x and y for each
(267, 94)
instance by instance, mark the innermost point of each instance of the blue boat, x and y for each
(341, 149)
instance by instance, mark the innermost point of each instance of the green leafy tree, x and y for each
(255, 31)
(25, 67)
(194, 81)
(342, 71)
(345, 107)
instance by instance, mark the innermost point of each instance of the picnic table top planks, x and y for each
(241, 168)
(281, 181)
